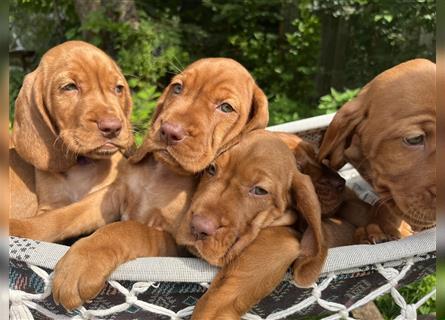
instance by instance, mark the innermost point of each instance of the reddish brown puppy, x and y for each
(71, 119)
(242, 218)
(389, 134)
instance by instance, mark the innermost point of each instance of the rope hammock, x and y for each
(168, 288)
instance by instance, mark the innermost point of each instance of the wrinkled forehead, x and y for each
(79, 59)
(402, 98)
(262, 153)
(217, 74)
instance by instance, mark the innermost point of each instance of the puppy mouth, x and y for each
(164, 156)
(107, 149)
(419, 216)
(203, 248)
(418, 220)
(176, 160)
(93, 146)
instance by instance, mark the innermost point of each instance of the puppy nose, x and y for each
(338, 183)
(172, 133)
(202, 227)
(109, 127)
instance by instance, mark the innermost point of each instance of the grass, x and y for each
(412, 293)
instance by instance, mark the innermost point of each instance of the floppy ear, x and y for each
(34, 135)
(303, 151)
(340, 131)
(147, 145)
(259, 113)
(308, 265)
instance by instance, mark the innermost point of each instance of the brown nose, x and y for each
(172, 133)
(109, 127)
(202, 227)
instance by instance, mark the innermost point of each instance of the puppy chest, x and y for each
(70, 186)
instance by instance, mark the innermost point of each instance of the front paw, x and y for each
(373, 234)
(80, 275)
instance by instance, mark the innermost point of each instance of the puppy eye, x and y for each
(211, 169)
(119, 89)
(225, 107)
(414, 141)
(258, 191)
(177, 88)
(69, 87)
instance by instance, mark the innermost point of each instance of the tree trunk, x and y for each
(332, 61)
(115, 10)
(289, 11)
(329, 26)
(83, 9)
(338, 69)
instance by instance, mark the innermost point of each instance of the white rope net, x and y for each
(21, 302)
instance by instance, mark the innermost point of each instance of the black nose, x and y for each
(109, 127)
(172, 133)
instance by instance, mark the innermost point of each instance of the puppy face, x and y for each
(76, 102)
(89, 100)
(389, 134)
(253, 185)
(203, 109)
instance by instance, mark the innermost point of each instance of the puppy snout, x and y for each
(202, 227)
(172, 133)
(110, 127)
(338, 184)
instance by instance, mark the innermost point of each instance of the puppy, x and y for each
(71, 119)
(388, 132)
(242, 218)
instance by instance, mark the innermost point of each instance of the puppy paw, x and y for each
(373, 234)
(81, 274)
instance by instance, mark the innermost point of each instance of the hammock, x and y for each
(168, 288)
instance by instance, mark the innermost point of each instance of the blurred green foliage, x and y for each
(304, 54)
(331, 102)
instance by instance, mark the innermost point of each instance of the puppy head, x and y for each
(202, 111)
(253, 185)
(329, 185)
(389, 134)
(76, 102)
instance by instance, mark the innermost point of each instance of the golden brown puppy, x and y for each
(388, 132)
(71, 118)
(253, 185)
